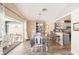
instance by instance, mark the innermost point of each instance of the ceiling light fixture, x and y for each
(44, 9)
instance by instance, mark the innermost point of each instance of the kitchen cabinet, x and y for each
(63, 32)
(66, 39)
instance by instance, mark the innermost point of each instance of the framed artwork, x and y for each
(76, 26)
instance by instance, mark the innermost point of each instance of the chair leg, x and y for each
(46, 49)
(41, 49)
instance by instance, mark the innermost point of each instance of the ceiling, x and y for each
(54, 10)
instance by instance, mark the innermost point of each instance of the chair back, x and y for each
(38, 40)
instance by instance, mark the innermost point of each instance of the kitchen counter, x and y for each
(60, 34)
(63, 38)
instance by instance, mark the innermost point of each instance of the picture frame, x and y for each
(76, 26)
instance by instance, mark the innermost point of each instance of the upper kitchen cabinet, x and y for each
(63, 24)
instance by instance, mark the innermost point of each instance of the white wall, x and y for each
(2, 22)
(75, 34)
